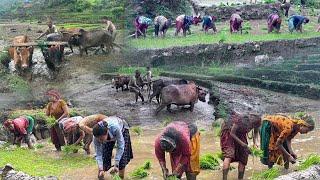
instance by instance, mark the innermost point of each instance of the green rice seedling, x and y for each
(147, 165)
(255, 152)
(311, 160)
(115, 177)
(209, 161)
(269, 174)
(69, 149)
(219, 155)
(51, 121)
(172, 177)
(39, 146)
(202, 130)
(139, 173)
(137, 129)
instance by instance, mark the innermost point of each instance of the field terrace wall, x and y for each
(224, 53)
(249, 12)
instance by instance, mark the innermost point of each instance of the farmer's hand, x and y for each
(101, 175)
(246, 148)
(292, 160)
(114, 170)
(294, 155)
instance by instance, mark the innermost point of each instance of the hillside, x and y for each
(64, 11)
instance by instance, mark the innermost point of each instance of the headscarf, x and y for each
(167, 143)
(54, 93)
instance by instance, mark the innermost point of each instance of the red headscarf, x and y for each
(54, 93)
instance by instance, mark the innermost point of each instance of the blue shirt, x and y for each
(115, 129)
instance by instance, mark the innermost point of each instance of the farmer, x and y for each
(182, 142)
(274, 22)
(21, 128)
(233, 140)
(148, 78)
(141, 23)
(208, 23)
(134, 87)
(52, 30)
(296, 21)
(161, 25)
(285, 6)
(109, 26)
(58, 109)
(74, 134)
(183, 22)
(277, 131)
(106, 134)
(87, 123)
(236, 22)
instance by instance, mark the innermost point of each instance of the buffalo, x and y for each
(180, 95)
(157, 86)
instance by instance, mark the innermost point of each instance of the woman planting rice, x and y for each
(182, 142)
(234, 144)
(58, 109)
(277, 131)
(106, 134)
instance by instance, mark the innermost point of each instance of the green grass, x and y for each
(37, 164)
(194, 39)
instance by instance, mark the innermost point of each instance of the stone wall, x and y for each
(224, 53)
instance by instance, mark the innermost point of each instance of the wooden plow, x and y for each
(51, 43)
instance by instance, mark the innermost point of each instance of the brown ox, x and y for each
(180, 95)
(21, 56)
(120, 81)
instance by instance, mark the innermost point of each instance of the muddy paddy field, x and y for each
(80, 81)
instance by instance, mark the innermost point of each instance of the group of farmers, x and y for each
(180, 139)
(184, 22)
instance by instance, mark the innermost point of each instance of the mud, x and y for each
(144, 150)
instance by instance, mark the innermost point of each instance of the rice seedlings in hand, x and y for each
(311, 160)
(269, 174)
(115, 177)
(255, 152)
(137, 129)
(209, 161)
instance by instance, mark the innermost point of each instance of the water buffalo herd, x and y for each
(179, 92)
